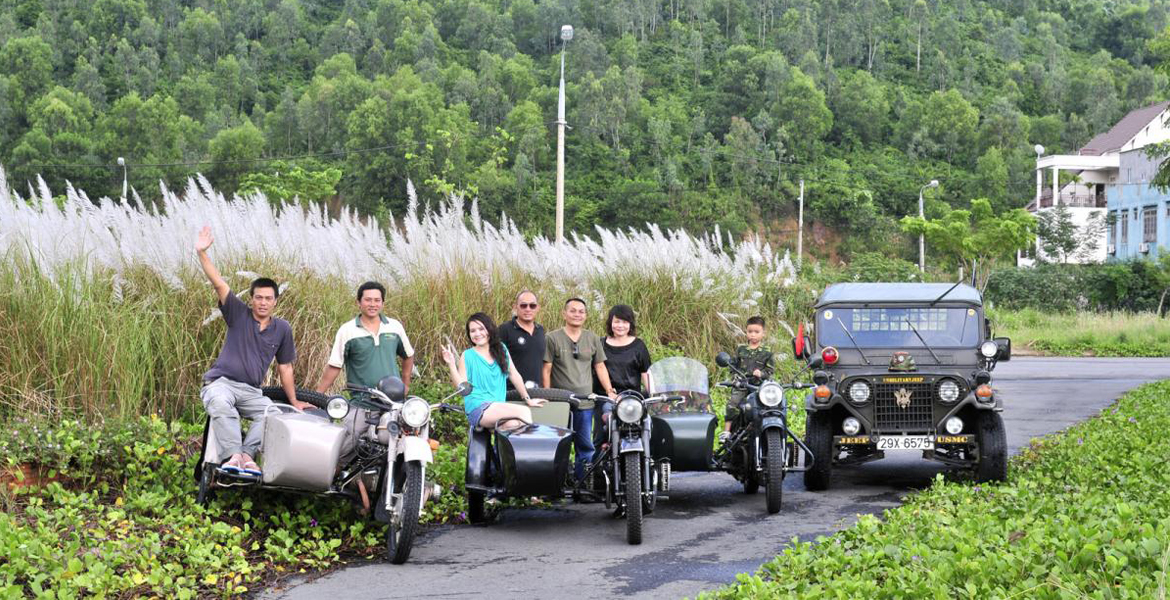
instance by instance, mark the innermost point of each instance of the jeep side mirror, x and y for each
(801, 347)
(1005, 348)
(723, 359)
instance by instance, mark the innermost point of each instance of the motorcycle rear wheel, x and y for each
(751, 477)
(633, 481)
(774, 491)
(400, 537)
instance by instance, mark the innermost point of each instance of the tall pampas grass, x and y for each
(116, 287)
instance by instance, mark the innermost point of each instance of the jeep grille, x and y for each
(887, 415)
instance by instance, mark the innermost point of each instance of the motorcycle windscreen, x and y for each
(683, 433)
(684, 376)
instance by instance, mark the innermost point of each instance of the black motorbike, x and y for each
(629, 473)
(761, 447)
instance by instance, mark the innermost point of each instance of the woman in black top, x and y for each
(626, 357)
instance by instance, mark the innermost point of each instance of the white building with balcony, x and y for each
(1088, 182)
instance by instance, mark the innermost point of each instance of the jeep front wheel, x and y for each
(818, 435)
(992, 439)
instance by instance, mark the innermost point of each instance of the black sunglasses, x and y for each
(532, 305)
(576, 351)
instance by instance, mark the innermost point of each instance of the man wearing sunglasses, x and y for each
(572, 356)
(524, 338)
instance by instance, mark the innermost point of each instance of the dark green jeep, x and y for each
(907, 366)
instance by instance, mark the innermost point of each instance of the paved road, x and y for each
(708, 530)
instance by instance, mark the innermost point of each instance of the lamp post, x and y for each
(122, 163)
(566, 35)
(922, 236)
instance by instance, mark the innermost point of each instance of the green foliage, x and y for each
(976, 238)
(286, 182)
(689, 116)
(115, 515)
(1082, 511)
(875, 266)
(1130, 286)
(1084, 333)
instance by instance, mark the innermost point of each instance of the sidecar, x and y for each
(301, 450)
(682, 434)
(530, 460)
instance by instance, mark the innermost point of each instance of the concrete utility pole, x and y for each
(566, 35)
(800, 229)
(922, 237)
(122, 163)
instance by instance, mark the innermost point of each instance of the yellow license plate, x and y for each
(853, 440)
(953, 439)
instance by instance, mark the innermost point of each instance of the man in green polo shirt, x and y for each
(368, 347)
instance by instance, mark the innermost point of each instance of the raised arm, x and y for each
(455, 366)
(202, 243)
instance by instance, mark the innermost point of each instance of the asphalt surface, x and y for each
(708, 530)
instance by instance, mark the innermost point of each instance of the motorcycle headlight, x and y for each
(629, 410)
(771, 394)
(416, 412)
(337, 407)
(988, 349)
(948, 391)
(859, 392)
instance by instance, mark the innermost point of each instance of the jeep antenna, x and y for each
(944, 294)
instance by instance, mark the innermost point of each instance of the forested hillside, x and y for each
(683, 112)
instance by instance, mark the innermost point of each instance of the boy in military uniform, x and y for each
(752, 358)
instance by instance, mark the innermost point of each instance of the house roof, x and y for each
(907, 293)
(1124, 130)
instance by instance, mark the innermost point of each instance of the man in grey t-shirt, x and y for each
(572, 355)
(231, 388)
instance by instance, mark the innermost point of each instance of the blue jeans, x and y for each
(582, 440)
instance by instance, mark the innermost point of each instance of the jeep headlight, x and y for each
(771, 394)
(629, 410)
(337, 407)
(859, 392)
(988, 349)
(416, 412)
(948, 391)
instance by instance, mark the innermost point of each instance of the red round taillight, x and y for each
(830, 355)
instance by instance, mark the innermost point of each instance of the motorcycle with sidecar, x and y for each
(372, 448)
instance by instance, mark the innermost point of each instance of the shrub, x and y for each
(1083, 514)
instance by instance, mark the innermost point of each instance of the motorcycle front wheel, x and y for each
(400, 533)
(633, 481)
(775, 487)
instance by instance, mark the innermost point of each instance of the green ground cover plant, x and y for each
(1084, 514)
(1084, 333)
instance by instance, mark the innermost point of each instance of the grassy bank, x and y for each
(1084, 333)
(115, 320)
(1084, 514)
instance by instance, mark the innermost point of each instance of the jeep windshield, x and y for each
(890, 327)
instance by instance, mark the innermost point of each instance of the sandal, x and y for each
(251, 469)
(231, 467)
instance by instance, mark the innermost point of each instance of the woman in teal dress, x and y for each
(487, 366)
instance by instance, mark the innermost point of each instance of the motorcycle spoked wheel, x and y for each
(206, 484)
(401, 530)
(633, 481)
(774, 491)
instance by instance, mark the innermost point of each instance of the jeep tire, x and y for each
(818, 435)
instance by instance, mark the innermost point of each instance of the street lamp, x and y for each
(566, 35)
(122, 163)
(922, 236)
